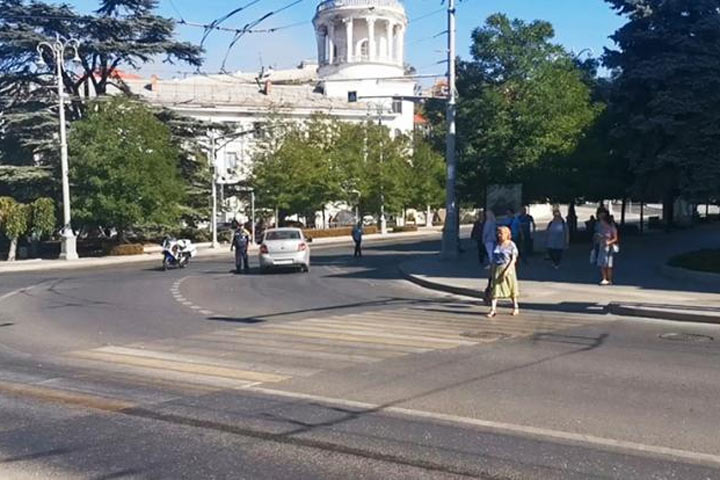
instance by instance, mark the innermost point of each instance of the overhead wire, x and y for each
(253, 24)
(219, 20)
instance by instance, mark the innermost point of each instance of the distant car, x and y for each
(285, 247)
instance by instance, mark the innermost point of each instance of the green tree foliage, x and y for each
(119, 34)
(14, 221)
(300, 167)
(524, 105)
(665, 96)
(42, 219)
(426, 175)
(124, 168)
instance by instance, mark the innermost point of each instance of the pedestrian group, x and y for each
(501, 246)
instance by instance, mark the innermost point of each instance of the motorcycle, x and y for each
(177, 253)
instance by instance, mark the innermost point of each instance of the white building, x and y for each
(360, 72)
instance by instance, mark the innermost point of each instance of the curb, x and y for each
(646, 312)
(441, 287)
(613, 308)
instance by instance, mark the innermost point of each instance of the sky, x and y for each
(579, 25)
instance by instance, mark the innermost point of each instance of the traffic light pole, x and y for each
(450, 232)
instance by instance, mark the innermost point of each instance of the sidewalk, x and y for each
(641, 289)
(152, 253)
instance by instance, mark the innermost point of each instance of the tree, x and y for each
(120, 33)
(14, 220)
(426, 176)
(665, 97)
(523, 106)
(124, 168)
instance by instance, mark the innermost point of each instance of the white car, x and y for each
(285, 247)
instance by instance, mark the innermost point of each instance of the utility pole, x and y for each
(68, 250)
(213, 163)
(450, 232)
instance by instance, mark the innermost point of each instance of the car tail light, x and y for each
(263, 249)
(302, 246)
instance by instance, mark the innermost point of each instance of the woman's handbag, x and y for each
(616, 248)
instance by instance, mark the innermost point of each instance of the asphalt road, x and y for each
(344, 372)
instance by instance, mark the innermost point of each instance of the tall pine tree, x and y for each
(666, 97)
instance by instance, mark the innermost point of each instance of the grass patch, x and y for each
(701, 261)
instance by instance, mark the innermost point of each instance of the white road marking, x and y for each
(19, 290)
(507, 428)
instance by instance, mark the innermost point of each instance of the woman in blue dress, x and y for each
(504, 278)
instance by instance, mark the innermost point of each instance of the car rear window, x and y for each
(283, 235)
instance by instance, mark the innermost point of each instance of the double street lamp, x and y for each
(212, 157)
(58, 49)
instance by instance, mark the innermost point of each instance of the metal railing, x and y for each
(328, 4)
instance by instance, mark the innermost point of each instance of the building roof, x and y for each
(231, 91)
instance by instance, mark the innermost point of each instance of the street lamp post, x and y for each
(68, 250)
(450, 233)
(213, 162)
(212, 154)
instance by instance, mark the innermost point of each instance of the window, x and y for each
(352, 96)
(231, 160)
(364, 50)
(258, 130)
(397, 106)
(282, 235)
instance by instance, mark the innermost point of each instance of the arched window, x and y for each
(363, 46)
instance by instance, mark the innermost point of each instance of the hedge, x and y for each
(337, 232)
(406, 228)
(127, 249)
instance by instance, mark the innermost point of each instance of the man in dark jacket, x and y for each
(240, 243)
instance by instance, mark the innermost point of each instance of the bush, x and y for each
(126, 249)
(406, 228)
(197, 235)
(337, 232)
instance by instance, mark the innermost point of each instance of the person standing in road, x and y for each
(489, 234)
(527, 231)
(357, 234)
(477, 236)
(504, 284)
(607, 244)
(558, 238)
(240, 243)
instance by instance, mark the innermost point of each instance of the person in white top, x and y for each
(489, 234)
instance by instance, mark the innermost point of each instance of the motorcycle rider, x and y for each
(240, 243)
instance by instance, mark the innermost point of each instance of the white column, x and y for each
(389, 33)
(372, 49)
(331, 44)
(349, 39)
(401, 44)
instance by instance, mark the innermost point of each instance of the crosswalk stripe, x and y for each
(374, 333)
(363, 339)
(340, 342)
(392, 328)
(208, 361)
(303, 344)
(288, 351)
(207, 370)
